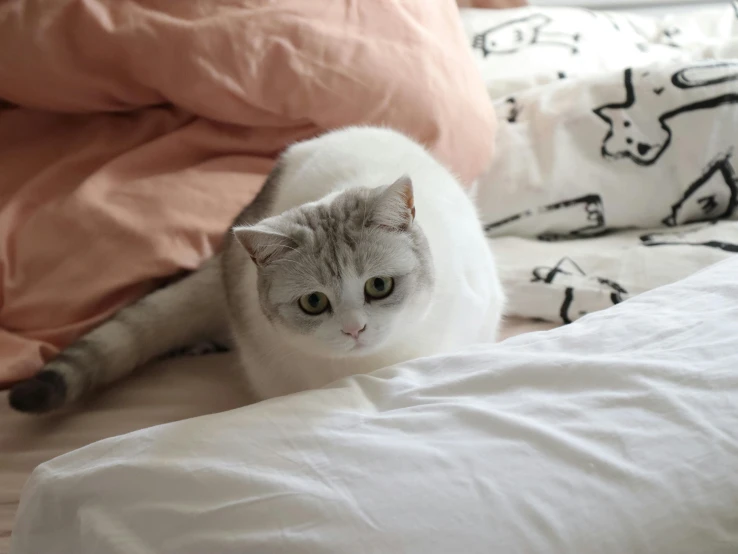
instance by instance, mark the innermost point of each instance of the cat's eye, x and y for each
(314, 303)
(377, 288)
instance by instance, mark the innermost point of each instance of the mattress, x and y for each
(167, 391)
(615, 434)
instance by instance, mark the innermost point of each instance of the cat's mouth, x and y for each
(358, 345)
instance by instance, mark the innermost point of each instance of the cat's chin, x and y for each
(360, 349)
(355, 350)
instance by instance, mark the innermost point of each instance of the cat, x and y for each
(361, 251)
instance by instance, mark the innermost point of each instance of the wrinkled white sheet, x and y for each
(618, 433)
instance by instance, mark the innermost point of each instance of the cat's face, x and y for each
(343, 278)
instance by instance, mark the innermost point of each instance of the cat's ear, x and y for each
(395, 207)
(264, 244)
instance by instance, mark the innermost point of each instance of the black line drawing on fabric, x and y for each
(707, 75)
(642, 133)
(591, 12)
(598, 15)
(583, 293)
(714, 195)
(561, 75)
(518, 34)
(643, 46)
(681, 238)
(584, 216)
(513, 110)
(612, 21)
(667, 36)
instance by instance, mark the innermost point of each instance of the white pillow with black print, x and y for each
(652, 148)
(642, 147)
(521, 48)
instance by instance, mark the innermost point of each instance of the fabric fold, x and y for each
(131, 133)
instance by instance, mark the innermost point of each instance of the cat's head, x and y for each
(346, 276)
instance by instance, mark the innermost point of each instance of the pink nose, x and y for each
(353, 330)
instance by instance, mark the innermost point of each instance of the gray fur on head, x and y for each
(333, 247)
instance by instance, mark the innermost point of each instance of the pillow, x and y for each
(614, 434)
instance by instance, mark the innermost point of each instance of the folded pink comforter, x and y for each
(131, 132)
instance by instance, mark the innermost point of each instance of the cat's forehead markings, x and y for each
(327, 232)
(342, 216)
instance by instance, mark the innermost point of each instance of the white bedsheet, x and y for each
(607, 122)
(616, 434)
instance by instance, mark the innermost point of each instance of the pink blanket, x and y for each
(132, 132)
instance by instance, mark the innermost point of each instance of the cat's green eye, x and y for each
(314, 303)
(377, 288)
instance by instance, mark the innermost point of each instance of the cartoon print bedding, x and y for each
(616, 169)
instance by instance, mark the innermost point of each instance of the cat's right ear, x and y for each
(263, 244)
(395, 207)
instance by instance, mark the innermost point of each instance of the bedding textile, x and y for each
(617, 433)
(131, 133)
(163, 392)
(580, 276)
(608, 121)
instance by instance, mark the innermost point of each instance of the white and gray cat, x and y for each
(361, 251)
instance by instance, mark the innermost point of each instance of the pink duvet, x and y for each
(131, 132)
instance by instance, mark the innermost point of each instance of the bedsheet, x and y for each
(615, 170)
(164, 392)
(617, 433)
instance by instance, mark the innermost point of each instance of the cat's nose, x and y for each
(353, 330)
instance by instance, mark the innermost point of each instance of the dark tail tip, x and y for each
(42, 393)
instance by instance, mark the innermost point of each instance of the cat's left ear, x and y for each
(264, 245)
(395, 208)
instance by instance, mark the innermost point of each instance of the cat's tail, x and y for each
(189, 311)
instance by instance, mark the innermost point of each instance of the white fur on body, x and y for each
(220, 301)
(467, 300)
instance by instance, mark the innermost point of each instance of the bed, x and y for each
(614, 434)
(556, 231)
